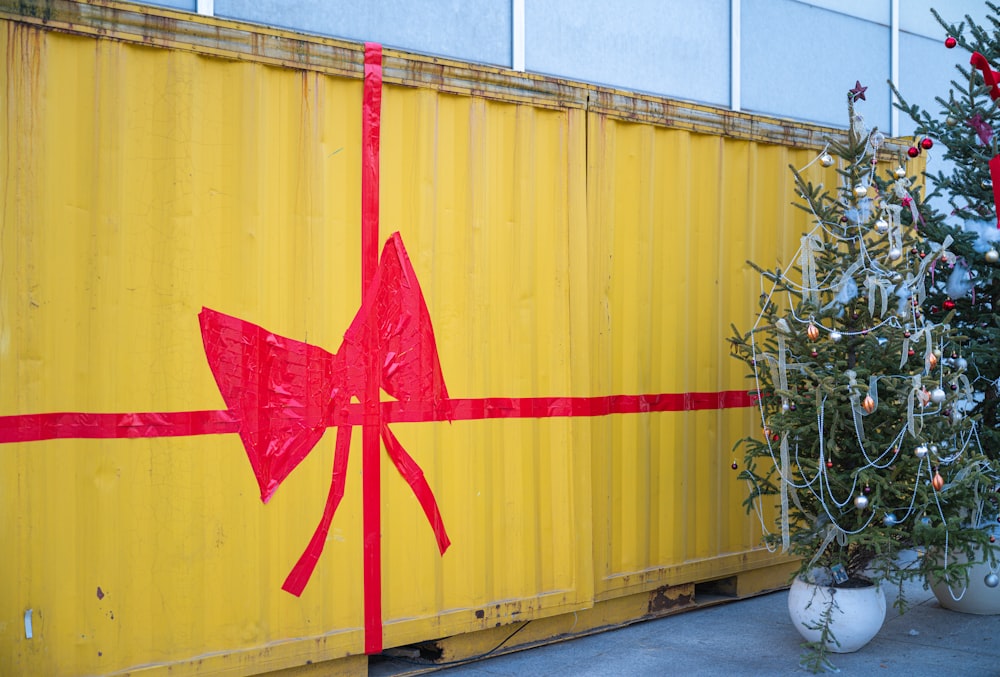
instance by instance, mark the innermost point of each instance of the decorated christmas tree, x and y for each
(962, 133)
(866, 443)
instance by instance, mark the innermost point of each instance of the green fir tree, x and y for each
(962, 132)
(867, 443)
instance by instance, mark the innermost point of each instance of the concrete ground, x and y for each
(755, 637)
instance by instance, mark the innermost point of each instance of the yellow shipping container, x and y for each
(575, 245)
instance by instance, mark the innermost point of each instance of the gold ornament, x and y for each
(812, 331)
(932, 360)
(868, 404)
(992, 256)
(937, 481)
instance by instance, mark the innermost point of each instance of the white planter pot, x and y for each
(857, 614)
(977, 598)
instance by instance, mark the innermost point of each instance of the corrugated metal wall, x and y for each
(153, 164)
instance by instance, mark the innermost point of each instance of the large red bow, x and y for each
(285, 393)
(990, 76)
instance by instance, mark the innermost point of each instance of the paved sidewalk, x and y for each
(756, 637)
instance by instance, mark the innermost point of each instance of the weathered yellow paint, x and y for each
(155, 162)
(675, 215)
(139, 185)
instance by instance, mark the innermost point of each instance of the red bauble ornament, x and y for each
(948, 304)
(913, 151)
(993, 539)
(950, 42)
(829, 464)
(926, 143)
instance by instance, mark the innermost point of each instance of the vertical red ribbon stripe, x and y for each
(371, 445)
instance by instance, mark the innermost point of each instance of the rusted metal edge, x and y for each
(718, 121)
(228, 39)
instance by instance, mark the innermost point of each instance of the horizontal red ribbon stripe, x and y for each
(68, 425)
(552, 407)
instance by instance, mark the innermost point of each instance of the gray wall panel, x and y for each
(926, 70)
(187, 5)
(673, 47)
(470, 30)
(915, 15)
(799, 61)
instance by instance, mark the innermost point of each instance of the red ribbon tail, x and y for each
(414, 476)
(303, 569)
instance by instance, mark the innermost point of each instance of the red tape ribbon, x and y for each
(75, 425)
(371, 451)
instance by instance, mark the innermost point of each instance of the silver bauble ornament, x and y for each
(889, 520)
(920, 451)
(950, 121)
(961, 363)
(896, 278)
(900, 172)
(992, 256)
(933, 449)
(881, 226)
(937, 395)
(826, 160)
(991, 580)
(860, 191)
(895, 253)
(835, 336)
(861, 502)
